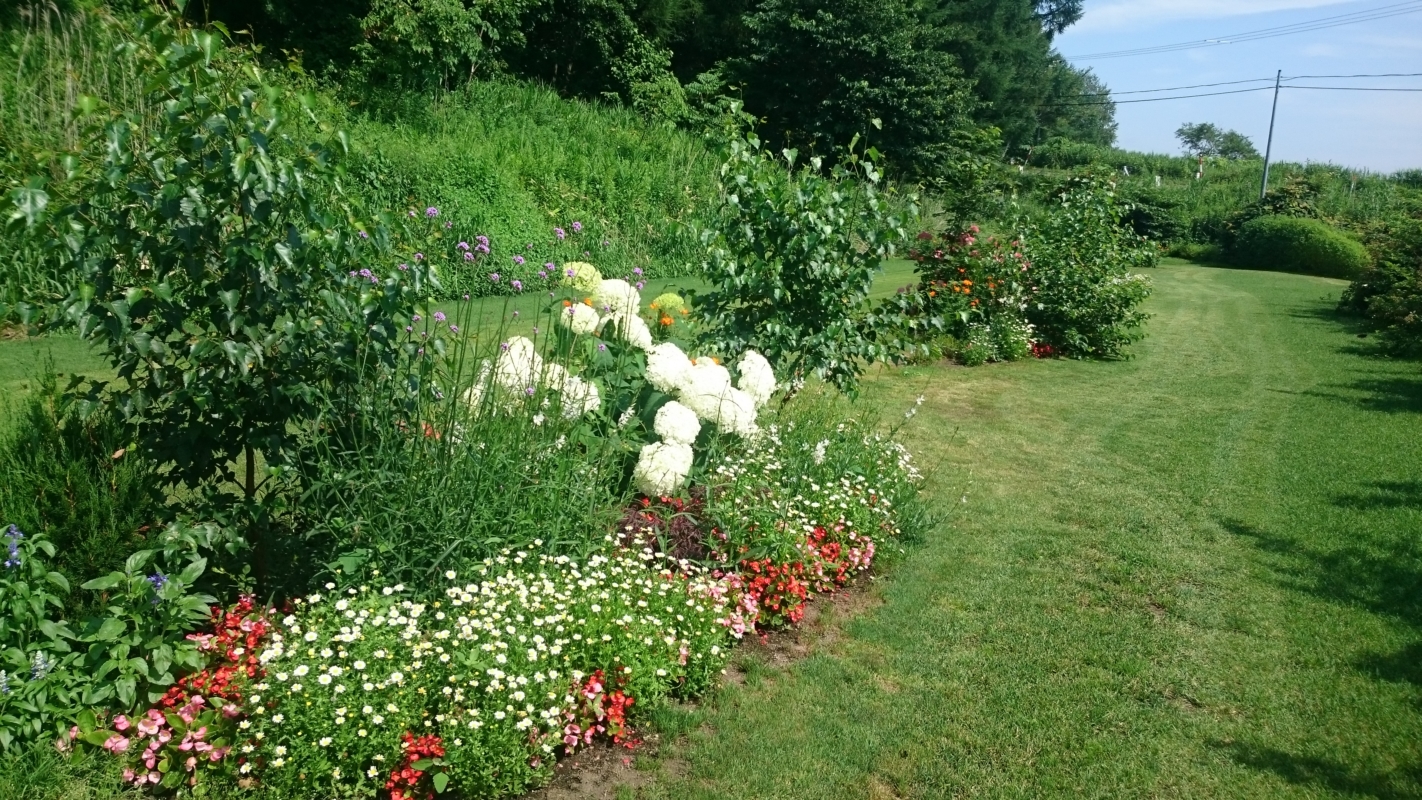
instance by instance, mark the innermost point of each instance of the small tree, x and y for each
(229, 301)
(792, 257)
(1205, 139)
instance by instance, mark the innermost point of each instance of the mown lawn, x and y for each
(1196, 573)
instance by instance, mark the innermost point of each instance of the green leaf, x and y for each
(110, 630)
(423, 764)
(441, 782)
(30, 203)
(105, 583)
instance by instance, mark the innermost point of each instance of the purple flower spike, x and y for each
(363, 234)
(404, 267)
(570, 273)
(439, 316)
(462, 246)
(518, 260)
(504, 346)
(416, 318)
(637, 271)
(419, 256)
(468, 256)
(517, 285)
(543, 275)
(560, 234)
(408, 329)
(601, 347)
(494, 277)
(431, 212)
(454, 329)
(577, 227)
(528, 391)
(641, 285)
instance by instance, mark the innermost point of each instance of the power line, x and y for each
(1382, 12)
(1374, 75)
(1155, 99)
(1354, 88)
(1174, 88)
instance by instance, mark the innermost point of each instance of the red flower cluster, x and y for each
(405, 779)
(779, 590)
(598, 711)
(835, 561)
(239, 633)
(1042, 350)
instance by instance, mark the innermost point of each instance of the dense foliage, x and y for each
(792, 257)
(1298, 244)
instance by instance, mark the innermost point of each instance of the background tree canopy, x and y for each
(942, 75)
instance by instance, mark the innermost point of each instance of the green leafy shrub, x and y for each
(1086, 299)
(793, 255)
(1298, 244)
(51, 672)
(73, 481)
(1389, 291)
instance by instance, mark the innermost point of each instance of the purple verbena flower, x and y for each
(468, 256)
(431, 212)
(494, 276)
(577, 227)
(517, 285)
(529, 391)
(439, 316)
(504, 346)
(454, 329)
(362, 234)
(560, 234)
(462, 246)
(419, 256)
(404, 267)
(518, 260)
(637, 271)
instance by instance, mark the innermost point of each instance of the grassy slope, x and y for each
(1191, 574)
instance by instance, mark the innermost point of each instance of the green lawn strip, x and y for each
(1190, 574)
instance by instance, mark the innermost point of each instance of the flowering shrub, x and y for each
(964, 278)
(496, 670)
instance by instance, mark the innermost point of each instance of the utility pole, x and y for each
(1264, 184)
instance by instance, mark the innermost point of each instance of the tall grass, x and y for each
(48, 59)
(512, 160)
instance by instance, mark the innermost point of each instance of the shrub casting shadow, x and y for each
(1404, 666)
(1382, 577)
(1322, 773)
(1393, 395)
(1382, 495)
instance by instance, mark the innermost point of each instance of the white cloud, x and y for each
(1116, 14)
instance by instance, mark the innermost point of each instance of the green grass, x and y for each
(1195, 573)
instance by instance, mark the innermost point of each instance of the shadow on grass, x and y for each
(1383, 495)
(1382, 577)
(1393, 395)
(1405, 782)
(1404, 666)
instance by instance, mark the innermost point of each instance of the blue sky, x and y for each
(1380, 131)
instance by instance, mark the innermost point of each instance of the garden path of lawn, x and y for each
(1195, 573)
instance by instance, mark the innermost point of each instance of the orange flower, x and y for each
(667, 321)
(932, 294)
(567, 303)
(587, 301)
(967, 283)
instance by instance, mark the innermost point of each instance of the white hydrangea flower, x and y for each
(668, 368)
(519, 366)
(662, 467)
(705, 387)
(618, 297)
(677, 424)
(633, 329)
(580, 319)
(581, 276)
(757, 377)
(580, 397)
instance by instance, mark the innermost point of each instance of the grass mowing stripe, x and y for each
(1195, 573)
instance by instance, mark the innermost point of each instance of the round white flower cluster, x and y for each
(494, 668)
(703, 391)
(519, 372)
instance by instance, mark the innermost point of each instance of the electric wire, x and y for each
(1322, 23)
